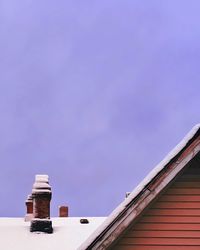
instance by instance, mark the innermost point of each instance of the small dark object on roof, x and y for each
(84, 221)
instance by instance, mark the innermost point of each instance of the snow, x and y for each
(41, 184)
(140, 187)
(68, 234)
(38, 185)
(29, 198)
(35, 191)
(41, 178)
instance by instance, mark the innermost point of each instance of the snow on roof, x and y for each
(68, 234)
(140, 187)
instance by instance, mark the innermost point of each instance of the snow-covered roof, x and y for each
(68, 234)
(138, 190)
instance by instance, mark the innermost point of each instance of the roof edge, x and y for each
(194, 132)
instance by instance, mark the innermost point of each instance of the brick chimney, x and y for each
(41, 194)
(63, 211)
(29, 208)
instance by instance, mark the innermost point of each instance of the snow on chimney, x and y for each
(63, 211)
(29, 208)
(41, 194)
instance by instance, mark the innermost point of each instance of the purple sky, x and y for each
(94, 94)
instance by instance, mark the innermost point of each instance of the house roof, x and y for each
(68, 234)
(145, 192)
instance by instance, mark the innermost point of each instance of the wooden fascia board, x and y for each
(133, 210)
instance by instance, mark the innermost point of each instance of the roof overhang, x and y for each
(129, 210)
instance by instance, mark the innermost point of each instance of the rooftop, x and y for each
(68, 234)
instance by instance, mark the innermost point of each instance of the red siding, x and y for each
(172, 222)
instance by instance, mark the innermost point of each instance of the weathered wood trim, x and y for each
(133, 210)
